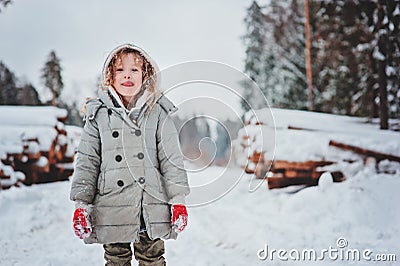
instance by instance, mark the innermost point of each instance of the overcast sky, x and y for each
(83, 32)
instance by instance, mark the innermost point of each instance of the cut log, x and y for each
(336, 175)
(377, 155)
(300, 128)
(248, 170)
(277, 182)
(308, 165)
(297, 173)
(257, 157)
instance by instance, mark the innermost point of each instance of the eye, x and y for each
(135, 69)
(119, 69)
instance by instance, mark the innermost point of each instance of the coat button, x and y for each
(120, 183)
(140, 155)
(115, 134)
(138, 132)
(109, 111)
(141, 180)
(118, 158)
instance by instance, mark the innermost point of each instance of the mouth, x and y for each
(127, 84)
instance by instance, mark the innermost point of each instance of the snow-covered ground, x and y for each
(362, 212)
(36, 224)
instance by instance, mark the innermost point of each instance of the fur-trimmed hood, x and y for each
(138, 49)
(146, 99)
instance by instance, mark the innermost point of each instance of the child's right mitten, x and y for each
(81, 221)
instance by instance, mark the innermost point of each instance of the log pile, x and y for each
(281, 173)
(255, 153)
(40, 152)
(379, 156)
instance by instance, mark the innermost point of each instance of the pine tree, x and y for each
(387, 55)
(4, 3)
(292, 43)
(8, 88)
(254, 40)
(284, 59)
(337, 69)
(361, 40)
(27, 95)
(51, 76)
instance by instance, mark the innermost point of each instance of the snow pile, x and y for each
(311, 143)
(9, 176)
(31, 115)
(28, 135)
(19, 123)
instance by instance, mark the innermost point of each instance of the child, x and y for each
(129, 182)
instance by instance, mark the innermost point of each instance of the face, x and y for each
(127, 75)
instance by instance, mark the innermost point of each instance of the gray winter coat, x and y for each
(127, 166)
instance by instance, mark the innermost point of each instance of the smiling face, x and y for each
(128, 75)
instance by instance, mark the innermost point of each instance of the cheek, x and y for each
(116, 77)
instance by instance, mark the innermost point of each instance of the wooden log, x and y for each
(300, 128)
(297, 174)
(257, 157)
(64, 171)
(52, 153)
(377, 155)
(248, 170)
(67, 159)
(278, 182)
(336, 175)
(307, 165)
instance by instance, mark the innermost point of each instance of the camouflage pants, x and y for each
(147, 252)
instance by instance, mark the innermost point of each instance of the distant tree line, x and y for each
(355, 56)
(4, 3)
(15, 92)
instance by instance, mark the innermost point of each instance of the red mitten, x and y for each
(82, 226)
(179, 217)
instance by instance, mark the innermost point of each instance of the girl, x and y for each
(129, 182)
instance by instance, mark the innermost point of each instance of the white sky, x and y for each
(83, 32)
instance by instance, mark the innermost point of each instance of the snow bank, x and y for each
(31, 115)
(230, 231)
(26, 132)
(311, 143)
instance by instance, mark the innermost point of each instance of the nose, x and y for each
(127, 75)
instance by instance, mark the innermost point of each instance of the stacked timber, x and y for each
(284, 173)
(255, 149)
(35, 145)
(309, 144)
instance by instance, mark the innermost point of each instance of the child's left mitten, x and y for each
(179, 217)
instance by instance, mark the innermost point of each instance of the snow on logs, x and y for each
(255, 151)
(35, 146)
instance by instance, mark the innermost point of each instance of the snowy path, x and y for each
(36, 224)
